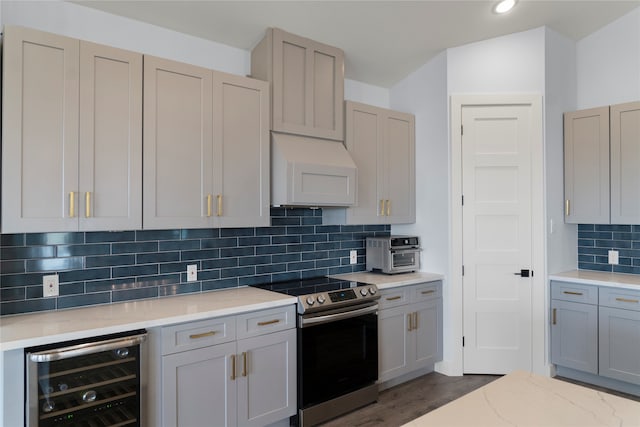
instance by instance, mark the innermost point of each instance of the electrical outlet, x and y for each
(613, 257)
(353, 257)
(192, 272)
(50, 286)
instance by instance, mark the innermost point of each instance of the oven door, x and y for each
(405, 260)
(337, 353)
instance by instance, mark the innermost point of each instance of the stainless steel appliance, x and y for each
(393, 254)
(93, 382)
(337, 346)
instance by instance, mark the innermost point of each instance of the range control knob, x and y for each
(310, 300)
(321, 299)
(363, 292)
(372, 291)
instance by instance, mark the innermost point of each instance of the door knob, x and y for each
(524, 273)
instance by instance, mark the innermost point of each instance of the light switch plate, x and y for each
(192, 272)
(353, 257)
(50, 286)
(613, 257)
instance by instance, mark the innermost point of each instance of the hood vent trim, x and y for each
(311, 172)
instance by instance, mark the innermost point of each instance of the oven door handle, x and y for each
(88, 348)
(318, 320)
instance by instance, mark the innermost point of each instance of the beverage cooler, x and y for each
(92, 383)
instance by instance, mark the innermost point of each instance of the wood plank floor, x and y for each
(401, 404)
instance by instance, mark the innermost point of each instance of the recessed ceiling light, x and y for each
(504, 6)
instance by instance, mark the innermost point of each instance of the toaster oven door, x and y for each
(405, 260)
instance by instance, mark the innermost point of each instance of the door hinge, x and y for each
(463, 270)
(461, 130)
(463, 341)
(463, 200)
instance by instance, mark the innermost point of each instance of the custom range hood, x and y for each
(311, 172)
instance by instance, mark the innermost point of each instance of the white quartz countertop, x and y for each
(524, 399)
(385, 281)
(599, 278)
(50, 327)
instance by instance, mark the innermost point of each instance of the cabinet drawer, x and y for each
(566, 291)
(266, 321)
(627, 299)
(192, 335)
(427, 291)
(394, 297)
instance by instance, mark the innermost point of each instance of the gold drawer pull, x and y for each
(72, 204)
(553, 321)
(209, 204)
(567, 208)
(415, 320)
(635, 301)
(572, 293)
(381, 207)
(219, 211)
(268, 322)
(394, 298)
(409, 321)
(87, 204)
(202, 335)
(233, 367)
(244, 363)
(428, 292)
(388, 207)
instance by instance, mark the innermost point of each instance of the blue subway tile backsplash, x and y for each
(108, 267)
(595, 241)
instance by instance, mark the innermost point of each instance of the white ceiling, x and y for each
(383, 41)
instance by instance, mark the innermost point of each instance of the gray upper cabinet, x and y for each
(206, 151)
(602, 165)
(72, 138)
(178, 145)
(625, 163)
(382, 144)
(307, 80)
(586, 166)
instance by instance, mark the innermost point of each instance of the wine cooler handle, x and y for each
(84, 349)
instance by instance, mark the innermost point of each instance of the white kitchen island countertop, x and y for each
(28, 330)
(599, 278)
(384, 281)
(529, 400)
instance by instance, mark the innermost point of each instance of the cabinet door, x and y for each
(393, 343)
(363, 139)
(625, 163)
(241, 151)
(428, 332)
(40, 132)
(267, 378)
(110, 154)
(198, 389)
(586, 166)
(619, 339)
(308, 87)
(574, 335)
(178, 145)
(399, 167)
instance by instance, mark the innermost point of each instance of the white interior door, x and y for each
(497, 238)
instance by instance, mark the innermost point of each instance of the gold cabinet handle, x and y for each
(394, 298)
(388, 207)
(567, 207)
(209, 197)
(72, 204)
(635, 301)
(553, 317)
(268, 322)
(244, 363)
(572, 293)
(381, 207)
(233, 367)
(219, 205)
(415, 320)
(427, 292)
(202, 335)
(87, 204)
(409, 321)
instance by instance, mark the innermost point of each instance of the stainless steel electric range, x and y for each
(337, 346)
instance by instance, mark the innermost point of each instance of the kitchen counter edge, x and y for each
(388, 281)
(27, 330)
(599, 278)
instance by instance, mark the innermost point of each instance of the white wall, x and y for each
(608, 64)
(366, 93)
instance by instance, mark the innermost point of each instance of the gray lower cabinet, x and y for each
(596, 330)
(410, 329)
(619, 337)
(235, 370)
